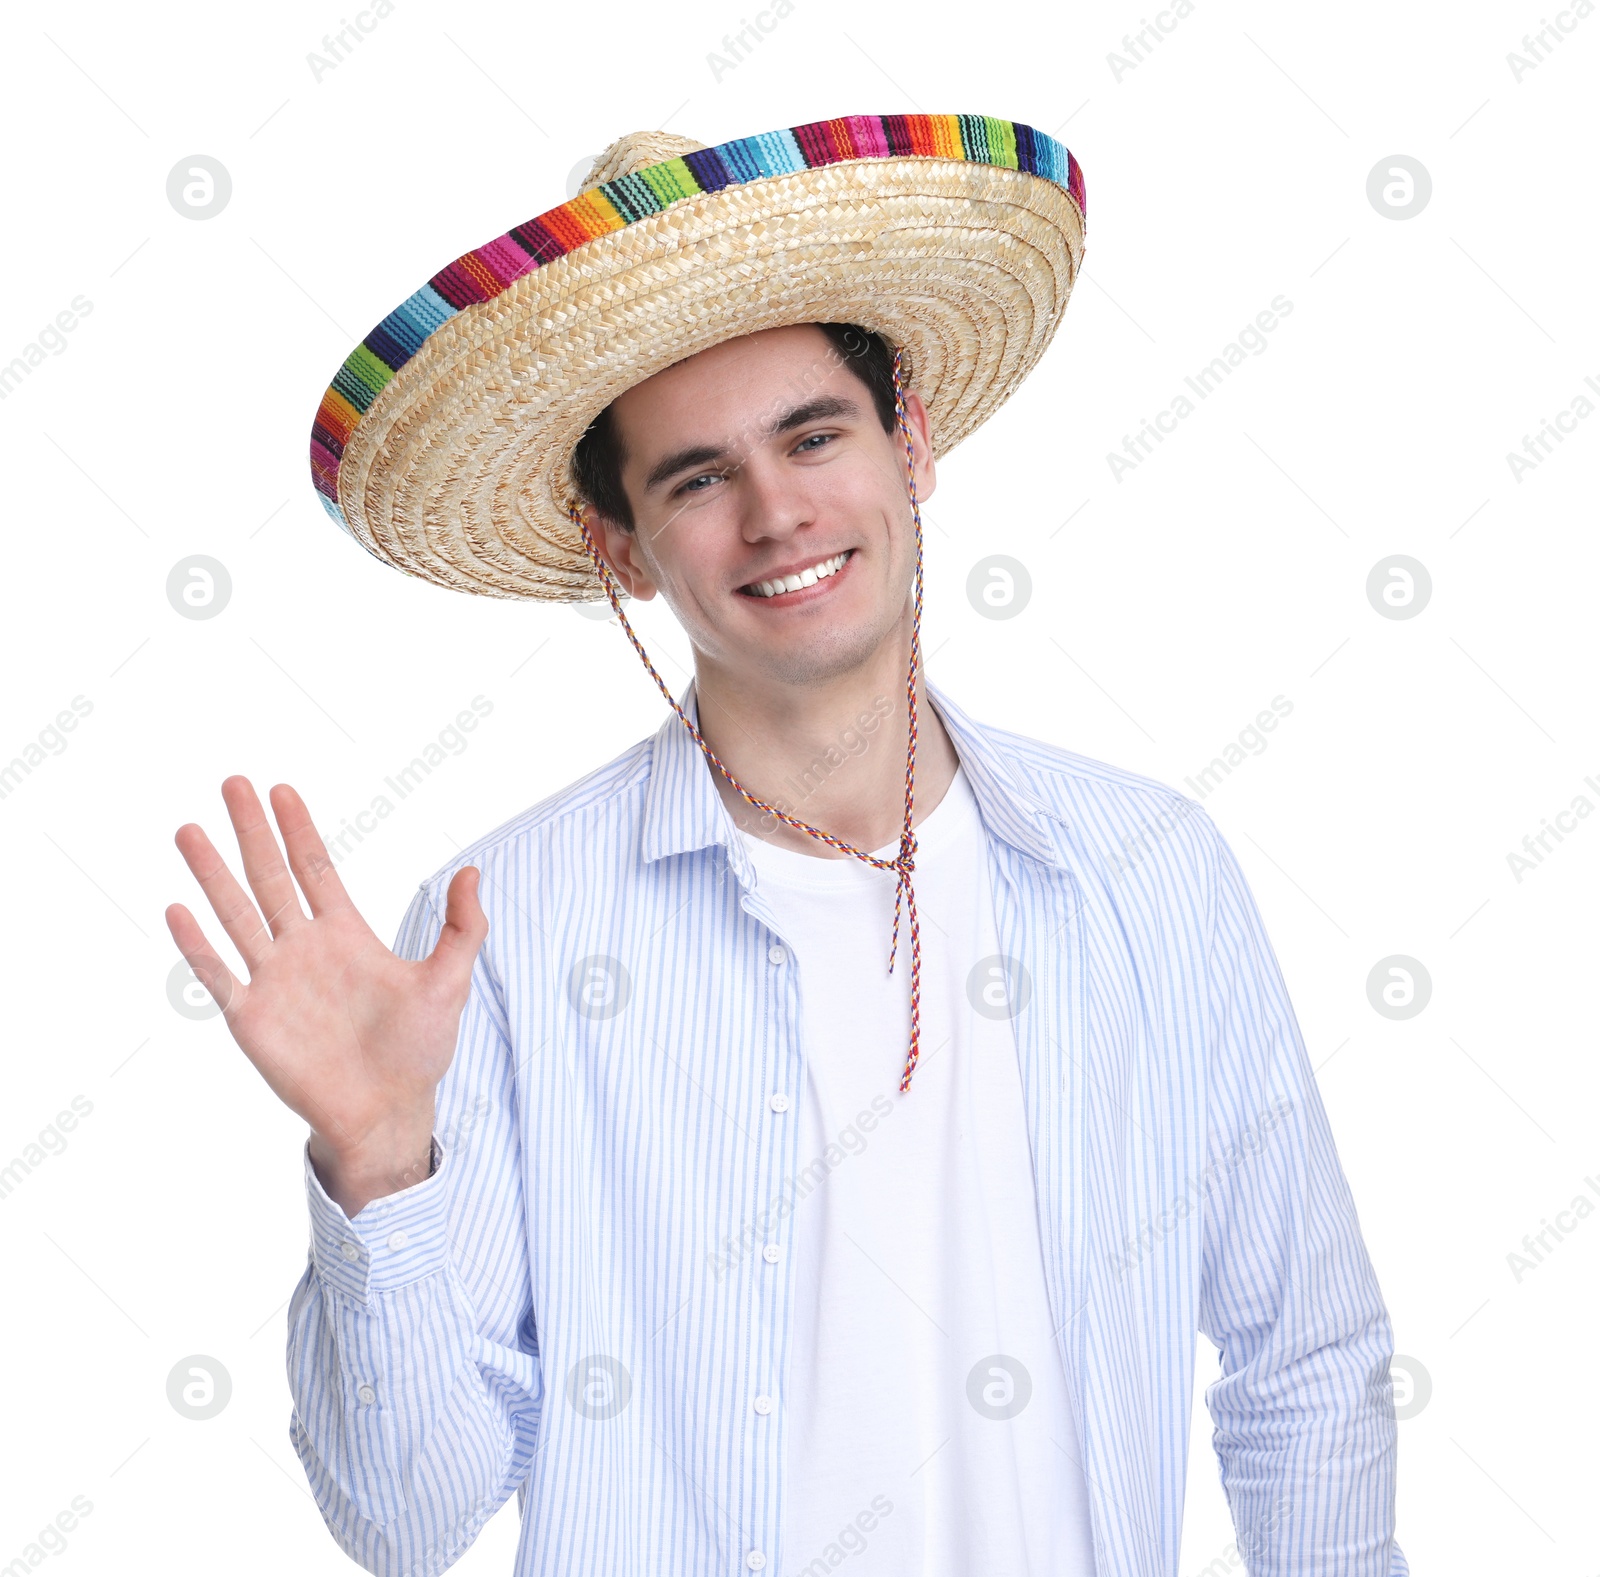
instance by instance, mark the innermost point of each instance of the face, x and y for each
(760, 459)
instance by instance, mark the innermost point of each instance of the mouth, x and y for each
(802, 584)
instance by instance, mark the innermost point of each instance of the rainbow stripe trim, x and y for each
(481, 274)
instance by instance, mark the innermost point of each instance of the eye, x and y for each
(807, 445)
(705, 476)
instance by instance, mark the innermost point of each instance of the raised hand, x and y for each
(352, 1038)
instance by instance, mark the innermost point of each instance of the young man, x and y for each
(639, 1183)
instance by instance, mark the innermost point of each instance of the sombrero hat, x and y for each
(444, 443)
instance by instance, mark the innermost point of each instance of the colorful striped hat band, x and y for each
(444, 443)
(905, 861)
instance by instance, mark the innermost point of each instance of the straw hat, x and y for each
(444, 443)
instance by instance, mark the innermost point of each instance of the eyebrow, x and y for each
(823, 406)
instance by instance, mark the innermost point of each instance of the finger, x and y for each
(229, 992)
(465, 926)
(308, 855)
(263, 861)
(226, 989)
(229, 901)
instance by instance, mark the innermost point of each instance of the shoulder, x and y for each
(1065, 782)
(595, 801)
(1067, 776)
(1115, 819)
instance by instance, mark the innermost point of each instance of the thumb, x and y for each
(465, 927)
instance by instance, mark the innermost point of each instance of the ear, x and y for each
(921, 444)
(620, 550)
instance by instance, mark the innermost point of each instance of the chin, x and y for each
(816, 656)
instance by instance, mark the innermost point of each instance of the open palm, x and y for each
(352, 1038)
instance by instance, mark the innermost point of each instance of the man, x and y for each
(639, 1182)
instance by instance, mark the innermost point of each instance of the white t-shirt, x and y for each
(929, 1425)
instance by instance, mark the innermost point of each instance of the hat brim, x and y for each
(457, 469)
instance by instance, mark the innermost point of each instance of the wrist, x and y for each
(353, 1175)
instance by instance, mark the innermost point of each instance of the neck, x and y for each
(832, 753)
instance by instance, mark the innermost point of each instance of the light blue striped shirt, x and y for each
(572, 1307)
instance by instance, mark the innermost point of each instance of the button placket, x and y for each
(789, 1062)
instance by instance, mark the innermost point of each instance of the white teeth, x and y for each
(806, 577)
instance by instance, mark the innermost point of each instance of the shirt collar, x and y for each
(684, 812)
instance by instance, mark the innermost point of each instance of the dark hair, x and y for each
(598, 459)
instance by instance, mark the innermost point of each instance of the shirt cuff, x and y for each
(397, 1239)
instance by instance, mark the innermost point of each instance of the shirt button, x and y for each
(367, 1395)
(763, 1405)
(775, 955)
(779, 1102)
(350, 1251)
(755, 1560)
(770, 1253)
(398, 1240)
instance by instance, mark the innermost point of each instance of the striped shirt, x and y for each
(585, 1298)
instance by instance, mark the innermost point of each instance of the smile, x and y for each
(800, 579)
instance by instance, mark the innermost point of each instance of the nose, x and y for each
(776, 499)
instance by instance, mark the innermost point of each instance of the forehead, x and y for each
(797, 358)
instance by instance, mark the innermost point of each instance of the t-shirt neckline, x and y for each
(788, 867)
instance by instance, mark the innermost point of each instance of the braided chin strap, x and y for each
(903, 863)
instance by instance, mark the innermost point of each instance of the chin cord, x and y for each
(903, 863)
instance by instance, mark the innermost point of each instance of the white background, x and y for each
(1227, 167)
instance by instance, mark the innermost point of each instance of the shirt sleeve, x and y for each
(413, 1355)
(1305, 1429)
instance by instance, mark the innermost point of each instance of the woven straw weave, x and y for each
(459, 469)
